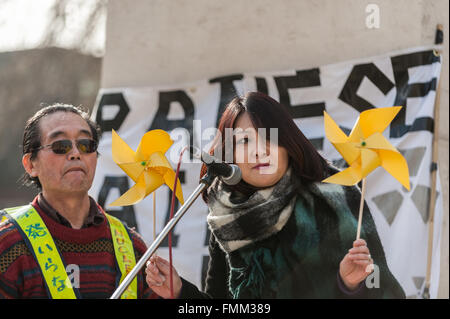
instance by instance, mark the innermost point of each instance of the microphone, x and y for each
(229, 173)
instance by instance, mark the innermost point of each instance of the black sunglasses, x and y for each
(65, 146)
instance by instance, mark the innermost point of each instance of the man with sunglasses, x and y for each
(63, 245)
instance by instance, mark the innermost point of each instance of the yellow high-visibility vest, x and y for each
(41, 244)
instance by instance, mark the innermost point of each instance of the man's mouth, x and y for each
(75, 169)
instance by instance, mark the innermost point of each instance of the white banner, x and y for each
(407, 78)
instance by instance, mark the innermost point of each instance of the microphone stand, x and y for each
(204, 183)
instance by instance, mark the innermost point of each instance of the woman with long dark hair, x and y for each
(280, 232)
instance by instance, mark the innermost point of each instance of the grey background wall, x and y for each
(31, 79)
(155, 42)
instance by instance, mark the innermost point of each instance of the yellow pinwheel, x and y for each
(366, 148)
(148, 167)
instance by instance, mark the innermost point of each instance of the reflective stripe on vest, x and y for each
(123, 248)
(50, 262)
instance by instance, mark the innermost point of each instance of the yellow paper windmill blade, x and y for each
(152, 142)
(348, 177)
(124, 156)
(147, 167)
(339, 140)
(160, 163)
(369, 161)
(395, 164)
(389, 158)
(147, 183)
(377, 120)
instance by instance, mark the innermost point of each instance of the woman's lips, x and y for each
(261, 166)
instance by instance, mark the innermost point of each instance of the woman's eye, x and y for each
(242, 140)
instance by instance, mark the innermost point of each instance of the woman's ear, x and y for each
(28, 165)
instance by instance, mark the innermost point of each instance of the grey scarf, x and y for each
(239, 221)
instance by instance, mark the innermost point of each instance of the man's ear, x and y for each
(28, 165)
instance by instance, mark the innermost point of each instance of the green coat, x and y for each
(302, 260)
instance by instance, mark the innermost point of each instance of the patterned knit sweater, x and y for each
(91, 249)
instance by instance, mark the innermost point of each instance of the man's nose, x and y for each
(74, 153)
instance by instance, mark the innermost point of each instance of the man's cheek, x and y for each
(92, 166)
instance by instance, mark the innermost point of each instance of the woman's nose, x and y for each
(260, 150)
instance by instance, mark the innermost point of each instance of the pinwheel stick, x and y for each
(361, 208)
(154, 215)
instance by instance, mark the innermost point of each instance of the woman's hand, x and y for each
(158, 279)
(356, 265)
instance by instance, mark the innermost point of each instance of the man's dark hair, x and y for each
(32, 133)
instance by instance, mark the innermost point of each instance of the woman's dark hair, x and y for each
(265, 112)
(32, 133)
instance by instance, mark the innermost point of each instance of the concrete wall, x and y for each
(166, 42)
(28, 79)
